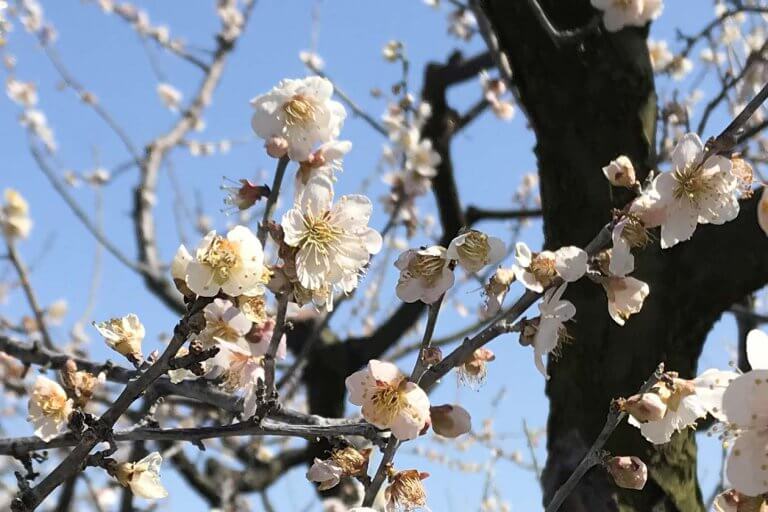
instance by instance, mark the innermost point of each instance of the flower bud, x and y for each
(432, 356)
(628, 472)
(645, 407)
(277, 147)
(733, 501)
(450, 420)
(246, 195)
(620, 172)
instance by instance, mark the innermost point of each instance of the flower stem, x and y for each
(274, 193)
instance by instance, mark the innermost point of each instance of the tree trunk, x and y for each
(588, 102)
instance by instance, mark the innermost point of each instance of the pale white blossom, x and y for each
(143, 477)
(474, 250)
(660, 55)
(49, 408)
(123, 335)
(686, 401)
(622, 13)
(389, 399)
(496, 290)
(224, 322)
(620, 172)
(551, 333)
(326, 161)
(302, 112)
(14, 215)
(693, 192)
(233, 264)
(324, 472)
(745, 405)
(23, 93)
(333, 241)
(169, 95)
(625, 297)
(425, 274)
(312, 60)
(538, 270)
(36, 122)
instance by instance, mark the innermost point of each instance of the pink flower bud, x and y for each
(450, 420)
(277, 147)
(628, 472)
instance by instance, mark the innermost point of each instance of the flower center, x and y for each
(427, 267)
(52, 404)
(388, 400)
(221, 257)
(299, 111)
(691, 184)
(319, 232)
(543, 269)
(623, 4)
(241, 368)
(475, 247)
(221, 330)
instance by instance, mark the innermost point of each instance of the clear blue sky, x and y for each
(106, 55)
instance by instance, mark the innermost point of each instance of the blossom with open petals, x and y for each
(405, 491)
(745, 405)
(496, 290)
(686, 401)
(474, 250)
(618, 14)
(224, 322)
(123, 335)
(550, 332)
(300, 111)
(233, 264)
(693, 192)
(143, 477)
(49, 408)
(625, 297)
(326, 160)
(538, 270)
(389, 399)
(333, 241)
(425, 274)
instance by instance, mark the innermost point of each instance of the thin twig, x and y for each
(34, 305)
(274, 193)
(274, 343)
(594, 455)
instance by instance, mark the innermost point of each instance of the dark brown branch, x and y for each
(475, 214)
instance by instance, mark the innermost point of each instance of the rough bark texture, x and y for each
(588, 102)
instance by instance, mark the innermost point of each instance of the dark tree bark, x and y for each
(588, 102)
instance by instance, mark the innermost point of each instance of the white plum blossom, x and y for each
(660, 55)
(551, 333)
(422, 159)
(233, 264)
(618, 14)
(49, 408)
(123, 335)
(333, 241)
(686, 401)
(538, 270)
(326, 160)
(169, 96)
(620, 172)
(312, 60)
(23, 93)
(326, 473)
(693, 192)
(496, 290)
(389, 400)
(425, 274)
(622, 262)
(36, 122)
(300, 111)
(143, 477)
(493, 90)
(14, 215)
(474, 250)
(625, 297)
(745, 406)
(224, 322)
